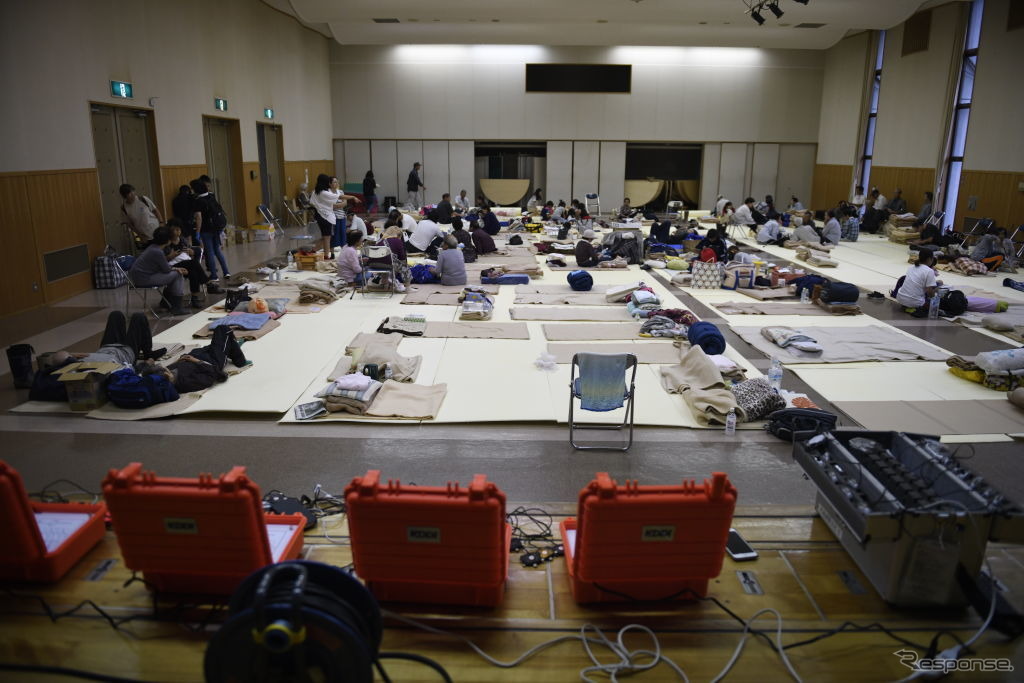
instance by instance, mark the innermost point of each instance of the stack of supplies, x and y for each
(350, 394)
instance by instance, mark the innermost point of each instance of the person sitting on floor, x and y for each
(744, 215)
(549, 208)
(832, 232)
(989, 250)
(626, 211)
(795, 205)
(661, 232)
(151, 269)
(451, 267)
(426, 237)
(931, 238)
(725, 216)
(1009, 251)
(771, 233)
(488, 221)
(916, 288)
(586, 255)
(805, 233)
(736, 256)
(350, 268)
(483, 243)
(180, 254)
(711, 248)
(460, 233)
(203, 367)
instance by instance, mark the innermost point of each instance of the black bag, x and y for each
(563, 231)
(233, 297)
(788, 423)
(839, 293)
(125, 389)
(469, 254)
(515, 239)
(953, 303)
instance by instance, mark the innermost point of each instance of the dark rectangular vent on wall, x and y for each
(609, 78)
(386, 21)
(66, 262)
(1015, 15)
(916, 32)
(808, 24)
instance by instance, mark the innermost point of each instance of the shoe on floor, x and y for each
(876, 295)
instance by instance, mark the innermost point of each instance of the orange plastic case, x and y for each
(647, 542)
(429, 544)
(23, 554)
(199, 536)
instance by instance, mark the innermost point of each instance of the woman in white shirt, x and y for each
(325, 201)
(919, 283)
(535, 202)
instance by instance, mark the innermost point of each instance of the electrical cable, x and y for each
(743, 641)
(45, 493)
(625, 666)
(412, 657)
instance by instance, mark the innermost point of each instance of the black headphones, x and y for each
(297, 621)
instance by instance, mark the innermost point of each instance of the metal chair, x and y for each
(296, 215)
(142, 293)
(378, 278)
(592, 198)
(271, 220)
(588, 387)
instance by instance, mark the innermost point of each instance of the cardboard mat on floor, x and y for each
(476, 330)
(591, 331)
(660, 352)
(847, 344)
(891, 381)
(769, 308)
(997, 416)
(571, 314)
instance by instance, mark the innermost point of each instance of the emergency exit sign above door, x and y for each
(120, 89)
(220, 104)
(268, 113)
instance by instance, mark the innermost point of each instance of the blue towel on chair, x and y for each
(707, 336)
(601, 385)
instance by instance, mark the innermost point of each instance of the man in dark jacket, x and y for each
(586, 255)
(413, 186)
(489, 221)
(444, 209)
(482, 242)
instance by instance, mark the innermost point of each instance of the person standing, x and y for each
(210, 223)
(181, 207)
(325, 200)
(370, 193)
(338, 237)
(139, 212)
(535, 201)
(858, 198)
(414, 186)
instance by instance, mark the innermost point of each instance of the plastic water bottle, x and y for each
(291, 261)
(775, 374)
(805, 295)
(730, 423)
(933, 307)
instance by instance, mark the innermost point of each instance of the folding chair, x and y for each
(141, 292)
(296, 216)
(377, 278)
(600, 387)
(271, 220)
(674, 207)
(592, 198)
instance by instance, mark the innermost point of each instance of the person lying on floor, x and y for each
(737, 256)
(180, 254)
(586, 254)
(915, 289)
(451, 267)
(123, 342)
(350, 267)
(201, 368)
(151, 269)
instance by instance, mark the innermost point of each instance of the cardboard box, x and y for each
(307, 261)
(86, 383)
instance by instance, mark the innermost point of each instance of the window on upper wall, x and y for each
(916, 31)
(961, 117)
(864, 170)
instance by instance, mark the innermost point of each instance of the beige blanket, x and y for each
(609, 314)
(418, 294)
(568, 298)
(765, 294)
(591, 331)
(249, 335)
(847, 345)
(700, 383)
(477, 330)
(380, 349)
(408, 401)
(768, 308)
(646, 352)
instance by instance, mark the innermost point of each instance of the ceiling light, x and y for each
(756, 16)
(773, 7)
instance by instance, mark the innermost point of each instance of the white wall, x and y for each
(995, 136)
(58, 55)
(737, 170)
(847, 67)
(914, 99)
(681, 94)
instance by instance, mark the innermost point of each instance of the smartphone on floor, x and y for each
(739, 549)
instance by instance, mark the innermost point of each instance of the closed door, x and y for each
(271, 152)
(217, 139)
(125, 153)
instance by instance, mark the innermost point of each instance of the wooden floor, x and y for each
(799, 569)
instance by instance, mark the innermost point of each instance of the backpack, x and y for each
(213, 213)
(953, 303)
(839, 293)
(580, 281)
(125, 389)
(788, 423)
(469, 254)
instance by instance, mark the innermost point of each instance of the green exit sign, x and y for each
(119, 89)
(268, 113)
(220, 104)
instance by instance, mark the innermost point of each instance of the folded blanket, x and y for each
(757, 399)
(706, 336)
(1016, 397)
(1005, 360)
(361, 395)
(787, 336)
(408, 401)
(242, 321)
(340, 404)
(700, 383)
(353, 382)
(661, 326)
(617, 262)
(679, 315)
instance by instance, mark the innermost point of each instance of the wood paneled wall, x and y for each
(174, 177)
(295, 173)
(832, 182)
(41, 212)
(913, 181)
(998, 197)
